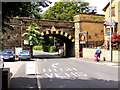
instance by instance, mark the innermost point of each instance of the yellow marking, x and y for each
(51, 32)
(73, 40)
(42, 33)
(57, 32)
(70, 37)
(47, 32)
(66, 34)
(61, 33)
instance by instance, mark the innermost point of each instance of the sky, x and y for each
(100, 4)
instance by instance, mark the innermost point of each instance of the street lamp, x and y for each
(110, 33)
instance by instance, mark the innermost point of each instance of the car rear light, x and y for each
(28, 55)
(19, 55)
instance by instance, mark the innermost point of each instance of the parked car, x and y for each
(24, 54)
(8, 55)
(1, 61)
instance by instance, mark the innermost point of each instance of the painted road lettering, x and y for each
(63, 72)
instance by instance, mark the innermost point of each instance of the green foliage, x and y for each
(38, 48)
(52, 49)
(33, 35)
(46, 48)
(97, 19)
(65, 10)
(21, 9)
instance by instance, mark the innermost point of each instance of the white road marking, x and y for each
(69, 69)
(49, 70)
(85, 75)
(58, 76)
(77, 73)
(44, 70)
(81, 72)
(61, 69)
(45, 59)
(75, 69)
(74, 74)
(38, 82)
(55, 70)
(55, 65)
(67, 75)
(50, 76)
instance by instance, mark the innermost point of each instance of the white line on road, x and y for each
(61, 69)
(49, 70)
(55, 65)
(38, 82)
(55, 70)
(67, 75)
(45, 59)
(44, 70)
(75, 69)
(74, 74)
(85, 75)
(69, 69)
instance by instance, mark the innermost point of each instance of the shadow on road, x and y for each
(47, 56)
(77, 83)
(25, 82)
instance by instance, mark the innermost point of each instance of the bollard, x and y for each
(5, 78)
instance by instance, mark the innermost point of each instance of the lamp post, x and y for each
(110, 33)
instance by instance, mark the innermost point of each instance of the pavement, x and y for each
(104, 63)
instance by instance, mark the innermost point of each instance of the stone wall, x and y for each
(93, 24)
(105, 55)
(13, 38)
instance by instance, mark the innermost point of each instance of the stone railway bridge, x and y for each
(69, 32)
(64, 31)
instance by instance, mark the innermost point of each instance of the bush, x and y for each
(46, 48)
(52, 49)
(38, 48)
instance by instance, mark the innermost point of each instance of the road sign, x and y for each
(53, 28)
(110, 23)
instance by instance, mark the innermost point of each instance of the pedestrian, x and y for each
(98, 52)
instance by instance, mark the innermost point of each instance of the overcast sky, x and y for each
(100, 4)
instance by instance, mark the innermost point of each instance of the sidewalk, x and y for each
(104, 63)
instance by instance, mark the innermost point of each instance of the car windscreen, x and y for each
(24, 52)
(7, 52)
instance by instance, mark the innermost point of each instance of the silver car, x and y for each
(8, 55)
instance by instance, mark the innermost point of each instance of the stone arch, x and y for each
(58, 32)
(67, 39)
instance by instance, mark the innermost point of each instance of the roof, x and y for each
(104, 9)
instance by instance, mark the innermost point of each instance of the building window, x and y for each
(113, 11)
(108, 30)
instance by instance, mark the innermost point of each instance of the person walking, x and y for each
(98, 52)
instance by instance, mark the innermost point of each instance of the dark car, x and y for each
(8, 55)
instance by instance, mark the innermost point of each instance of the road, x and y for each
(56, 72)
(66, 73)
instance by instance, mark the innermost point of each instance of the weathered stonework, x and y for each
(13, 38)
(93, 24)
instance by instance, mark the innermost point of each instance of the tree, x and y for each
(65, 10)
(33, 35)
(21, 9)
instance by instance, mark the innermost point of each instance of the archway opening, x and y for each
(64, 45)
